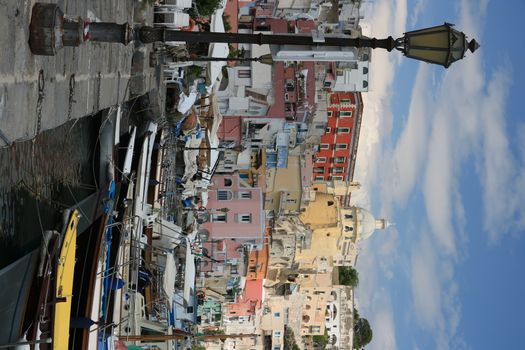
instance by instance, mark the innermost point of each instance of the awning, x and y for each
(189, 275)
(168, 282)
(220, 50)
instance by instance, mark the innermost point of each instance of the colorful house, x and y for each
(235, 210)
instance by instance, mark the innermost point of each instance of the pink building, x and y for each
(236, 210)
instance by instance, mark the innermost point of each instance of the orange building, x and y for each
(258, 262)
(250, 301)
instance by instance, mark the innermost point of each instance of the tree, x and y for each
(236, 53)
(289, 339)
(204, 8)
(348, 276)
(320, 341)
(362, 333)
(226, 21)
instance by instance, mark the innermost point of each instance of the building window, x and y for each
(345, 113)
(244, 73)
(365, 84)
(339, 160)
(244, 218)
(277, 314)
(218, 217)
(224, 195)
(345, 100)
(315, 329)
(319, 170)
(227, 182)
(349, 216)
(348, 229)
(319, 178)
(328, 130)
(338, 170)
(324, 146)
(329, 113)
(365, 70)
(244, 195)
(337, 178)
(330, 203)
(286, 97)
(341, 146)
(343, 130)
(319, 126)
(321, 160)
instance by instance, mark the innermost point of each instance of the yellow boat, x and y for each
(64, 284)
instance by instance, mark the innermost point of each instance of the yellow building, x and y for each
(336, 230)
(284, 188)
(317, 291)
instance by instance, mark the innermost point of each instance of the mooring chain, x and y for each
(39, 102)
(98, 82)
(72, 84)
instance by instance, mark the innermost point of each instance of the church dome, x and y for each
(366, 224)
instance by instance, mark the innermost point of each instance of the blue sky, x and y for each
(442, 155)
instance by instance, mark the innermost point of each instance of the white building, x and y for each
(249, 85)
(340, 318)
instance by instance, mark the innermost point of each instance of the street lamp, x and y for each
(238, 148)
(441, 45)
(50, 31)
(265, 59)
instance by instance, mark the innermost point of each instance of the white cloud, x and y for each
(426, 288)
(502, 174)
(416, 10)
(409, 153)
(438, 184)
(373, 302)
(456, 117)
(385, 335)
(383, 18)
(437, 308)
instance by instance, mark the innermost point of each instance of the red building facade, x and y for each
(335, 159)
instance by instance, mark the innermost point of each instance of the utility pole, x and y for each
(161, 337)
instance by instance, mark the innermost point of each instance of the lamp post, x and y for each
(238, 148)
(50, 31)
(266, 59)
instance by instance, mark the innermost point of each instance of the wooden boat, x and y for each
(50, 321)
(64, 285)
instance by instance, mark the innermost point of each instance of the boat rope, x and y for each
(86, 217)
(44, 241)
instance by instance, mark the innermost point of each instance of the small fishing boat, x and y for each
(49, 325)
(64, 285)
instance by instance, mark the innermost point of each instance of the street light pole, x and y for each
(155, 34)
(236, 148)
(50, 30)
(267, 59)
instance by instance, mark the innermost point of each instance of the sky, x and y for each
(442, 156)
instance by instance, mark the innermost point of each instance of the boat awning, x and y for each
(220, 50)
(189, 275)
(168, 282)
